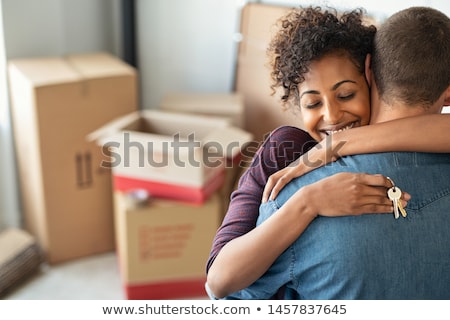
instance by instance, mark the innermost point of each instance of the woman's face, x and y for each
(333, 97)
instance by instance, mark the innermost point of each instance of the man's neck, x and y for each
(382, 111)
(387, 112)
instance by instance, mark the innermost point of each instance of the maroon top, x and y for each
(284, 145)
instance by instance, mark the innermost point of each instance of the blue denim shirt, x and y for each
(371, 256)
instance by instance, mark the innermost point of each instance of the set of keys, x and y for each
(394, 194)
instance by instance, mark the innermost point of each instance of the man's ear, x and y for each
(447, 97)
(367, 69)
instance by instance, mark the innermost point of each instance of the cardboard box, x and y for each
(229, 105)
(20, 257)
(56, 101)
(172, 155)
(263, 112)
(163, 246)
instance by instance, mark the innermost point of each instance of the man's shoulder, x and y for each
(399, 159)
(377, 163)
(385, 159)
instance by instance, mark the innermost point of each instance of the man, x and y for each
(377, 256)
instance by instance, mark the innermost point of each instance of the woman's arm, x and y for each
(244, 259)
(280, 148)
(425, 133)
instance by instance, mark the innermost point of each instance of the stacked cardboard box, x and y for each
(178, 159)
(163, 245)
(66, 195)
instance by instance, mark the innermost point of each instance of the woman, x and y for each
(319, 63)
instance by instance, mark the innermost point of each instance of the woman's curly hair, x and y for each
(307, 34)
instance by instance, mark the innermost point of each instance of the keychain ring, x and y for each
(392, 182)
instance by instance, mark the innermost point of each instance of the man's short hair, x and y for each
(411, 58)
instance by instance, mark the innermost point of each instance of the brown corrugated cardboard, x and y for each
(56, 101)
(163, 246)
(20, 256)
(263, 112)
(172, 155)
(229, 105)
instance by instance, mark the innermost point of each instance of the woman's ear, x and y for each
(367, 69)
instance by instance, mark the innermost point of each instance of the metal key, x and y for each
(394, 195)
(400, 206)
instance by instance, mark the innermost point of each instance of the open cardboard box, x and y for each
(172, 155)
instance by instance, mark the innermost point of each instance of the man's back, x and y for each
(372, 256)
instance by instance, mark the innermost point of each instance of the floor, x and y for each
(91, 278)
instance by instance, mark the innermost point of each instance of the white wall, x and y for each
(186, 46)
(55, 27)
(9, 206)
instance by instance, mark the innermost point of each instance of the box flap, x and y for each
(231, 139)
(113, 127)
(56, 70)
(44, 71)
(158, 125)
(186, 118)
(97, 65)
(212, 103)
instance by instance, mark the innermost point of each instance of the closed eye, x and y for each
(347, 97)
(312, 105)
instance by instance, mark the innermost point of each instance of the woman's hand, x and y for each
(347, 193)
(321, 154)
(279, 179)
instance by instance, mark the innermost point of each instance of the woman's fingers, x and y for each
(375, 180)
(281, 183)
(356, 193)
(276, 182)
(269, 186)
(380, 180)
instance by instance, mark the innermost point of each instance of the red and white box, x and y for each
(163, 245)
(172, 155)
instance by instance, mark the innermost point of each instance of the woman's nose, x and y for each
(332, 114)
